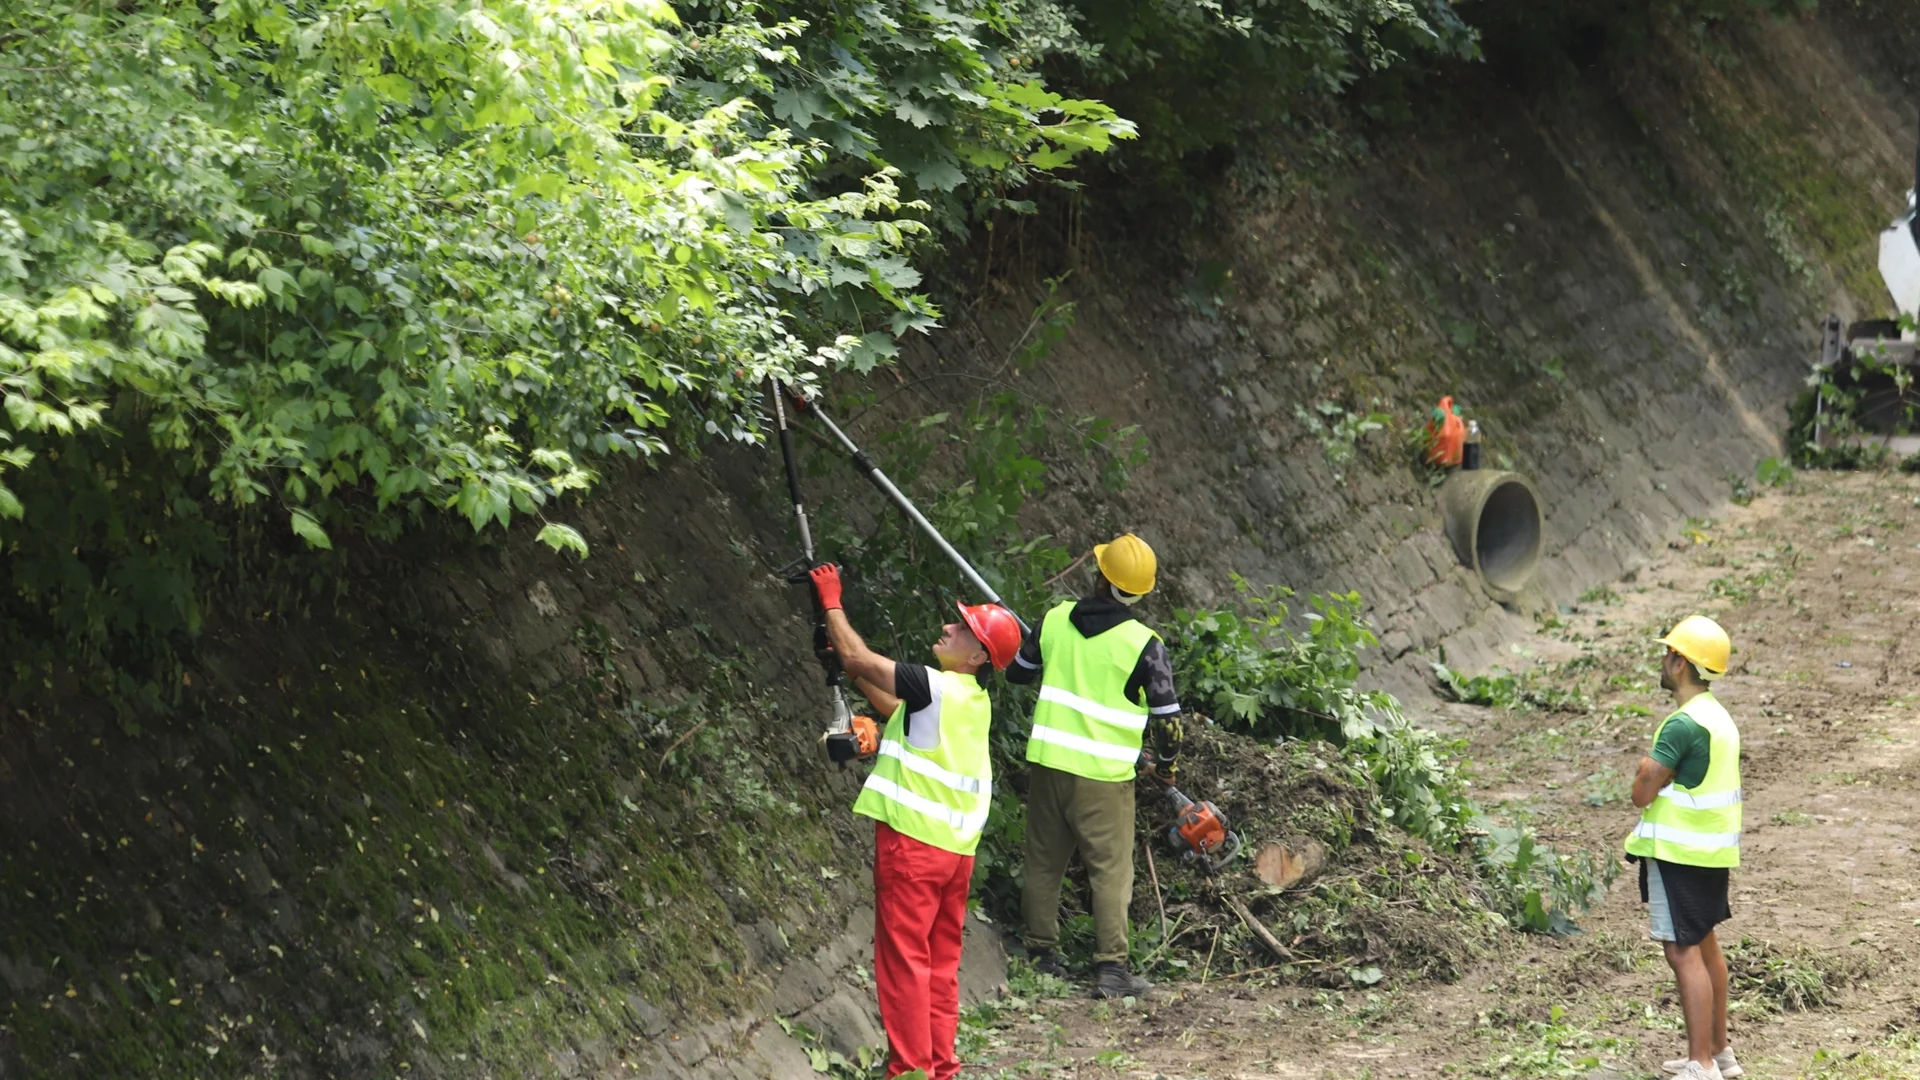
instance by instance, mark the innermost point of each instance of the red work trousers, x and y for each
(920, 910)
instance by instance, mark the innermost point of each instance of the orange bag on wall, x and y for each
(1447, 435)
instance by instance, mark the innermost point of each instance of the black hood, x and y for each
(1095, 614)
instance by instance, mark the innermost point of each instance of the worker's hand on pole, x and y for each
(826, 585)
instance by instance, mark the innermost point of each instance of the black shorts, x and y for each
(1696, 898)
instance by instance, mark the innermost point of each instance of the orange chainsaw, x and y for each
(1199, 833)
(851, 737)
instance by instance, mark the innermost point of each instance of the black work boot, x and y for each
(1047, 962)
(1113, 980)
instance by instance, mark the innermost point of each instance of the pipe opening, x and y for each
(1493, 520)
(1507, 540)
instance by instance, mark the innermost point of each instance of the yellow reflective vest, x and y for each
(1084, 724)
(938, 796)
(1700, 825)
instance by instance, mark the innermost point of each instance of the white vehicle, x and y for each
(1872, 365)
(1900, 258)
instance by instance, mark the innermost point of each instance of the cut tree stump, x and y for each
(1296, 860)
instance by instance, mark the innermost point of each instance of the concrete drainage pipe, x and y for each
(1493, 521)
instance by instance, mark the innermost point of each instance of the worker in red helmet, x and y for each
(928, 794)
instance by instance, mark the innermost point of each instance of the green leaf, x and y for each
(20, 410)
(562, 538)
(395, 88)
(546, 185)
(872, 350)
(799, 107)
(917, 113)
(277, 282)
(306, 528)
(939, 175)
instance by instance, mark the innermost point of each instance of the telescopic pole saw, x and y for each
(846, 737)
(873, 473)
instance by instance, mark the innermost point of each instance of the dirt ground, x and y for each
(1819, 585)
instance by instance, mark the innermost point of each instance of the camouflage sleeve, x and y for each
(1153, 676)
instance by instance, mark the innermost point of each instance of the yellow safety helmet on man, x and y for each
(1127, 562)
(1702, 641)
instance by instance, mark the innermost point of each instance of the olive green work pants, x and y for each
(1064, 813)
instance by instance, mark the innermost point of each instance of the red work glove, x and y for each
(826, 585)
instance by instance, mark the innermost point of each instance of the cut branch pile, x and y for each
(1327, 890)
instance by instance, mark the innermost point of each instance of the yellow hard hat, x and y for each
(1701, 640)
(1128, 562)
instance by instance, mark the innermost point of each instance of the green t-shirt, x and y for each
(1686, 748)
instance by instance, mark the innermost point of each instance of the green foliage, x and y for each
(1272, 683)
(1500, 690)
(1606, 787)
(1024, 982)
(867, 1063)
(1773, 472)
(346, 265)
(1339, 430)
(1258, 677)
(1773, 978)
(1497, 690)
(1897, 1054)
(1600, 594)
(1536, 887)
(948, 94)
(1554, 1048)
(1261, 678)
(1199, 76)
(1824, 426)
(981, 1023)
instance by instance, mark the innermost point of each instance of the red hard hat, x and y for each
(996, 628)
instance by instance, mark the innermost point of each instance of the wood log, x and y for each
(1295, 861)
(1259, 928)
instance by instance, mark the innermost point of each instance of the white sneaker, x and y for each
(1689, 1069)
(1724, 1061)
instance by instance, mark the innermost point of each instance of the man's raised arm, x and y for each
(855, 658)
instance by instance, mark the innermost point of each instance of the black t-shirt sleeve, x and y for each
(913, 685)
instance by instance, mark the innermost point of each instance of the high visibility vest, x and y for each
(938, 796)
(1084, 723)
(1700, 825)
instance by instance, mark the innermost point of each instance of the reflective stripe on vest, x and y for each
(1084, 724)
(1700, 802)
(939, 796)
(1082, 745)
(1671, 834)
(1700, 825)
(971, 785)
(1122, 718)
(960, 821)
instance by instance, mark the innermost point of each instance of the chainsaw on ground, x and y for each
(1200, 833)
